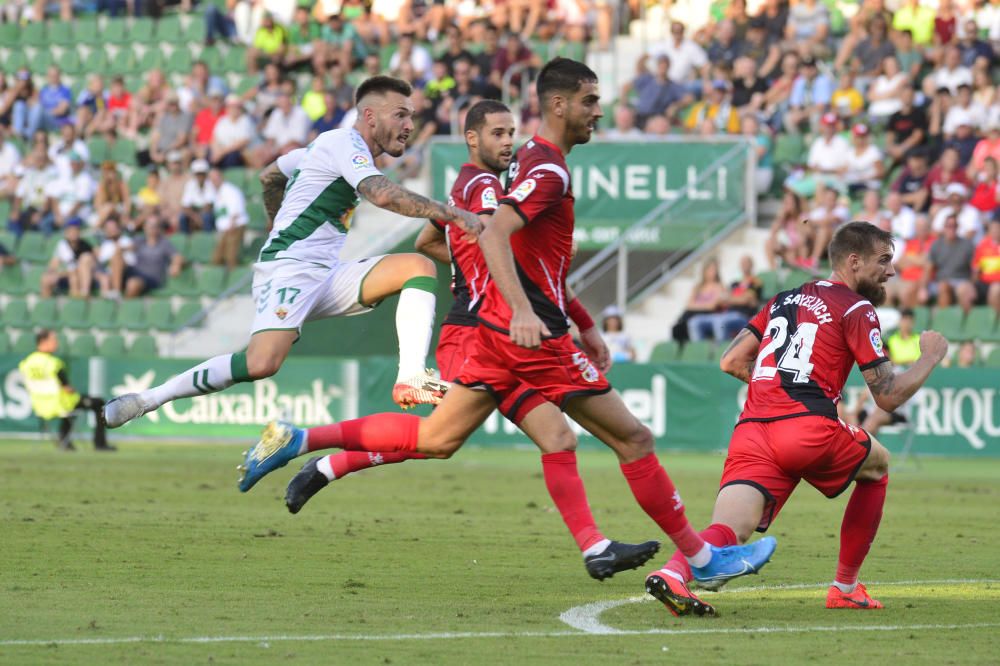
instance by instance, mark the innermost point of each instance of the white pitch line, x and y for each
(586, 618)
(264, 641)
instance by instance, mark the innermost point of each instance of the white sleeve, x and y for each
(106, 251)
(289, 162)
(64, 253)
(236, 205)
(188, 197)
(351, 157)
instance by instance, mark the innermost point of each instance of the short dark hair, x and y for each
(860, 238)
(379, 85)
(476, 117)
(42, 335)
(562, 75)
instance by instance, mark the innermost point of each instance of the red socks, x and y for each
(347, 462)
(379, 433)
(567, 492)
(716, 534)
(861, 519)
(655, 493)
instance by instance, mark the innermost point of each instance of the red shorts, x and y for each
(772, 456)
(557, 370)
(455, 344)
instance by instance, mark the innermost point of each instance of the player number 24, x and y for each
(796, 355)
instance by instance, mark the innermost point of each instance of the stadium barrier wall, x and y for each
(687, 406)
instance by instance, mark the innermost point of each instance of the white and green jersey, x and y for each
(320, 199)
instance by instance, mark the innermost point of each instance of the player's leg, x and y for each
(100, 434)
(858, 529)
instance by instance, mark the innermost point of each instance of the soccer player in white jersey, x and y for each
(299, 275)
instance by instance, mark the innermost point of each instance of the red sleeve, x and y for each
(863, 335)
(534, 194)
(758, 324)
(483, 196)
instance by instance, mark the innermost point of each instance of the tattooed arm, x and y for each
(741, 355)
(272, 184)
(890, 390)
(388, 195)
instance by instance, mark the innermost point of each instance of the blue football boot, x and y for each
(734, 561)
(279, 443)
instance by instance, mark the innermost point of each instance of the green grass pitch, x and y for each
(151, 556)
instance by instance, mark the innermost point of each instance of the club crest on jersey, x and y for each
(281, 312)
(489, 198)
(876, 339)
(522, 191)
(360, 161)
(586, 368)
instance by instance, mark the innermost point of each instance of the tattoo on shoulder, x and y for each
(880, 379)
(372, 186)
(273, 191)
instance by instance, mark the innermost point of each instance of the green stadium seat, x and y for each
(16, 60)
(179, 62)
(244, 84)
(796, 278)
(921, 319)
(32, 279)
(112, 346)
(36, 248)
(11, 280)
(24, 345)
(103, 314)
(131, 314)
(993, 358)
(142, 31)
(235, 59)
(88, 31)
(42, 59)
(34, 34)
(212, 280)
(4, 343)
(122, 63)
(137, 180)
(159, 314)
(789, 149)
(202, 245)
(980, 323)
(185, 313)
(170, 30)
(212, 57)
(60, 33)
(115, 32)
(251, 251)
(948, 322)
(10, 34)
(240, 276)
(143, 346)
(73, 314)
(770, 283)
(69, 62)
(664, 352)
(697, 352)
(153, 58)
(123, 151)
(45, 314)
(257, 214)
(184, 284)
(15, 314)
(83, 346)
(99, 148)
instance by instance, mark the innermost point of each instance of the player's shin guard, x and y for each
(861, 520)
(716, 534)
(213, 375)
(378, 433)
(568, 494)
(348, 462)
(655, 493)
(415, 324)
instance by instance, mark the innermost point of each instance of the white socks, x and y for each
(414, 326)
(325, 468)
(702, 557)
(845, 587)
(213, 375)
(597, 548)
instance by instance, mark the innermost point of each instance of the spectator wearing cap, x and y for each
(230, 213)
(172, 131)
(970, 223)
(865, 166)
(827, 213)
(749, 89)
(111, 196)
(72, 261)
(914, 264)
(114, 255)
(269, 44)
(760, 47)
(619, 342)
(885, 94)
(916, 19)
(715, 108)
(286, 129)
(204, 122)
(654, 93)
(70, 197)
(688, 61)
(947, 171)
(232, 134)
(906, 128)
(950, 74)
(950, 274)
(56, 100)
(808, 28)
(198, 200)
(156, 259)
(810, 96)
(986, 267)
(902, 218)
(68, 142)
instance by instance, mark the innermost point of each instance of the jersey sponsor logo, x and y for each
(586, 368)
(489, 198)
(876, 339)
(522, 191)
(361, 161)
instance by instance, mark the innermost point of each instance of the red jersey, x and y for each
(986, 260)
(810, 337)
(475, 190)
(538, 189)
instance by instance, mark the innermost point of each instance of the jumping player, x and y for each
(796, 354)
(299, 275)
(523, 339)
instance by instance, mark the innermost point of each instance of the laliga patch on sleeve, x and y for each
(522, 191)
(876, 339)
(489, 198)
(361, 161)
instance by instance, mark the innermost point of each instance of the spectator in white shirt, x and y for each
(73, 259)
(287, 128)
(865, 168)
(197, 200)
(964, 111)
(418, 57)
(230, 210)
(950, 74)
(970, 222)
(70, 197)
(688, 61)
(827, 160)
(901, 216)
(67, 143)
(233, 133)
(30, 206)
(114, 254)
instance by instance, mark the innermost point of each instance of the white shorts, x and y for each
(287, 293)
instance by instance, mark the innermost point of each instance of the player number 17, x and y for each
(796, 355)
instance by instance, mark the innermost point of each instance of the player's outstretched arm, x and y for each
(890, 390)
(432, 242)
(272, 185)
(388, 195)
(741, 355)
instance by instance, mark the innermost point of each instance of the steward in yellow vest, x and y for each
(52, 396)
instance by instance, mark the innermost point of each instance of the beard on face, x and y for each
(873, 291)
(497, 163)
(387, 142)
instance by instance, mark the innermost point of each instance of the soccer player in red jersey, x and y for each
(523, 340)
(796, 354)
